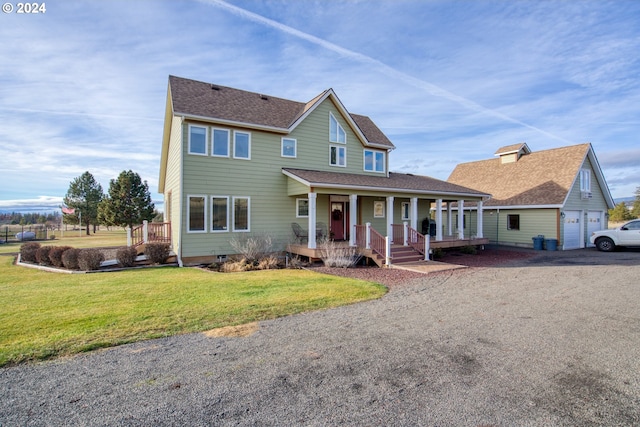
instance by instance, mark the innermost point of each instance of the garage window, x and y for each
(513, 222)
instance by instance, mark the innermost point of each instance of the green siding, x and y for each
(172, 190)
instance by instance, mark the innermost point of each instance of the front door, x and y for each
(337, 221)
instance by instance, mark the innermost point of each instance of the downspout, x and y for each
(497, 226)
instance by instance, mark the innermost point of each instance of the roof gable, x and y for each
(536, 179)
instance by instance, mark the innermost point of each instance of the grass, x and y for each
(46, 315)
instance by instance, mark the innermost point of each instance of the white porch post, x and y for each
(427, 248)
(414, 213)
(353, 218)
(367, 237)
(145, 231)
(390, 216)
(439, 219)
(461, 219)
(129, 239)
(387, 250)
(405, 233)
(479, 234)
(449, 219)
(312, 221)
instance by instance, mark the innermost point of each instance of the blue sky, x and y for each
(83, 85)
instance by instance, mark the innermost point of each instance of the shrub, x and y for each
(253, 247)
(28, 251)
(156, 253)
(70, 258)
(269, 262)
(126, 256)
(236, 266)
(437, 253)
(55, 255)
(335, 255)
(42, 255)
(294, 261)
(90, 259)
(469, 249)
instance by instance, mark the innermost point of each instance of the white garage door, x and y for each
(571, 229)
(593, 224)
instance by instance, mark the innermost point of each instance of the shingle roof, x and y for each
(395, 182)
(536, 179)
(206, 100)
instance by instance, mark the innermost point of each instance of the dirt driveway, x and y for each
(549, 339)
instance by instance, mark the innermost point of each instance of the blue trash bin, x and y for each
(552, 244)
(537, 242)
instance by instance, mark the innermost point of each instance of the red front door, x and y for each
(337, 221)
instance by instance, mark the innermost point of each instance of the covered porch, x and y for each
(387, 218)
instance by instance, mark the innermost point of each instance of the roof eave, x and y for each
(233, 123)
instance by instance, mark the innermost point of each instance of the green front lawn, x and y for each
(52, 314)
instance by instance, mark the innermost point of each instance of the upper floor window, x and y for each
(198, 140)
(585, 180)
(288, 147)
(337, 156)
(220, 144)
(373, 161)
(241, 145)
(336, 132)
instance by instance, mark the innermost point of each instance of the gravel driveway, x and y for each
(548, 339)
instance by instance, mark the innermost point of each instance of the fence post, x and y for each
(427, 241)
(128, 236)
(145, 231)
(387, 250)
(368, 236)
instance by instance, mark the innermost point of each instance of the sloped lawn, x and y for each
(48, 314)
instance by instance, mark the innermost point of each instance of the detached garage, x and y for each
(559, 193)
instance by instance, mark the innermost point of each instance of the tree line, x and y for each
(127, 203)
(622, 212)
(18, 218)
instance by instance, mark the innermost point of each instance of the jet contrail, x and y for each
(382, 67)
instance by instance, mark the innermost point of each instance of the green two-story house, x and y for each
(242, 162)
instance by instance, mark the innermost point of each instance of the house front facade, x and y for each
(560, 194)
(236, 163)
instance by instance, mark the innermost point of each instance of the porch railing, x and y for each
(397, 234)
(377, 243)
(418, 241)
(149, 232)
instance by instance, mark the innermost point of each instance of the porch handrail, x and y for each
(361, 235)
(416, 240)
(149, 232)
(378, 243)
(397, 235)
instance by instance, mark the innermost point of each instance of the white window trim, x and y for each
(295, 148)
(236, 132)
(206, 139)
(374, 152)
(211, 201)
(204, 196)
(338, 128)
(233, 214)
(338, 147)
(213, 131)
(407, 210)
(298, 208)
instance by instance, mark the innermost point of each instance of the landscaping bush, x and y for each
(156, 253)
(55, 255)
(42, 255)
(469, 250)
(126, 256)
(236, 266)
(70, 258)
(334, 255)
(269, 262)
(252, 247)
(90, 259)
(28, 251)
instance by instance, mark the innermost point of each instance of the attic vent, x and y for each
(264, 97)
(214, 87)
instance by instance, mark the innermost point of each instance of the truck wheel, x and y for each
(605, 244)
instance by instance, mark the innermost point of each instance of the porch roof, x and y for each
(394, 183)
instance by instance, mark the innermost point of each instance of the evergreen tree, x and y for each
(635, 211)
(128, 201)
(620, 213)
(84, 195)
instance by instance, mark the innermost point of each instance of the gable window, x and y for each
(337, 155)
(373, 161)
(198, 140)
(513, 222)
(220, 144)
(302, 208)
(197, 212)
(405, 210)
(336, 132)
(241, 145)
(219, 213)
(288, 147)
(241, 214)
(585, 180)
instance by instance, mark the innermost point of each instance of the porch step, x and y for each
(405, 254)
